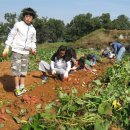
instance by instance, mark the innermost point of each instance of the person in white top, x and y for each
(22, 40)
(60, 64)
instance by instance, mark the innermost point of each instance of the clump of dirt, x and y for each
(13, 108)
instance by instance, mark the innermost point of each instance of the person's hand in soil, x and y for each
(66, 75)
(53, 72)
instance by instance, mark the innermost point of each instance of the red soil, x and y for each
(38, 93)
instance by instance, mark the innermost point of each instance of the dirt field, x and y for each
(38, 93)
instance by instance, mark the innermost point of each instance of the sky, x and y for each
(67, 9)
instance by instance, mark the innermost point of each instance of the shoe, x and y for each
(18, 92)
(23, 90)
(44, 79)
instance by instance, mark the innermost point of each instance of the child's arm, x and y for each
(68, 66)
(52, 66)
(89, 69)
(33, 47)
(67, 70)
(9, 40)
(11, 36)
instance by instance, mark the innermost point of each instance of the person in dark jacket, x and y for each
(118, 49)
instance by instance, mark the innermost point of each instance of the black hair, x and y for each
(89, 56)
(81, 62)
(109, 43)
(71, 53)
(61, 48)
(28, 11)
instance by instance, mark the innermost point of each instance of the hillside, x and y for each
(99, 38)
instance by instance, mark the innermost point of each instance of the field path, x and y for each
(38, 93)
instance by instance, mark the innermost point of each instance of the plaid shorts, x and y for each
(19, 64)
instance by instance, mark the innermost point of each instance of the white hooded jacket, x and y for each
(22, 38)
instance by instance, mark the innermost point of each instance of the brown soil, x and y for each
(38, 93)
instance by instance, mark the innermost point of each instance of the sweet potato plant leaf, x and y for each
(17, 120)
(8, 111)
(74, 91)
(61, 127)
(49, 106)
(47, 115)
(101, 125)
(1, 103)
(23, 112)
(39, 106)
(128, 99)
(104, 108)
(63, 96)
(79, 101)
(97, 82)
(26, 127)
(23, 122)
(42, 126)
(72, 108)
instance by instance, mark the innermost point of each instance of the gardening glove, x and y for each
(66, 74)
(5, 52)
(53, 72)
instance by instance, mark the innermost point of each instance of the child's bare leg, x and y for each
(22, 81)
(16, 78)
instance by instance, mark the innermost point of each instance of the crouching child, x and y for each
(60, 65)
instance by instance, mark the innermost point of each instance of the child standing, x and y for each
(22, 40)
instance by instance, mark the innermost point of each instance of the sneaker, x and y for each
(23, 90)
(44, 79)
(18, 92)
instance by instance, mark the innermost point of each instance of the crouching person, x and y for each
(60, 65)
(91, 59)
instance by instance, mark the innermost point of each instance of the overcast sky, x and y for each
(66, 9)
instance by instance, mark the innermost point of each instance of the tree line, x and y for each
(55, 30)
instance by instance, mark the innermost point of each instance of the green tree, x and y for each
(78, 27)
(95, 23)
(11, 18)
(42, 29)
(56, 30)
(105, 20)
(121, 23)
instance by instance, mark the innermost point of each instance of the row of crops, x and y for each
(106, 106)
(44, 52)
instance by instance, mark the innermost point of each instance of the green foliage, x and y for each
(102, 125)
(107, 104)
(54, 30)
(49, 30)
(45, 52)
